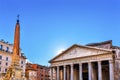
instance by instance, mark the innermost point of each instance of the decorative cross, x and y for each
(18, 17)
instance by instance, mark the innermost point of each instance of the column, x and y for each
(58, 73)
(99, 70)
(51, 69)
(89, 71)
(64, 72)
(111, 70)
(80, 71)
(72, 75)
(68, 72)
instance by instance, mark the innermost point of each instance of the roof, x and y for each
(76, 45)
(103, 43)
(30, 68)
(114, 47)
(100, 43)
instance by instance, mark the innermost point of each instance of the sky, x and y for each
(49, 26)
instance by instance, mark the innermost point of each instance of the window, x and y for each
(0, 57)
(6, 58)
(5, 69)
(6, 64)
(21, 62)
(7, 49)
(0, 62)
(1, 46)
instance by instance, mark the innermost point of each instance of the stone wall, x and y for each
(117, 64)
(117, 70)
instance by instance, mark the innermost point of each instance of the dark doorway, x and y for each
(105, 70)
(76, 71)
(85, 71)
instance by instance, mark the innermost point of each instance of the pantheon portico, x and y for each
(89, 62)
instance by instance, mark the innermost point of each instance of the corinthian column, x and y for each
(58, 73)
(111, 70)
(89, 71)
(51, 69)
(72, 75)
(64, 72)
(80, 71)
(99, 70)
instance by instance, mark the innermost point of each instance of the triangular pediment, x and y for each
(78, 51)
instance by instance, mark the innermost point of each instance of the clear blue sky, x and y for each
(50, 25)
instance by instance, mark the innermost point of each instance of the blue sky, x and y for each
(48, 26)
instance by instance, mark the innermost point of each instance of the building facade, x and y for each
(96, 61)
(6, 51)
(31, 73)
(42, 71)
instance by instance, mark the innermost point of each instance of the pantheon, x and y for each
(94, 61)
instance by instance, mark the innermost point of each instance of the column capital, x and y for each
(110, 61)
(99, 62)
(72, 64)
(57, 66)
(80, 64)
(89, 63)
(64, 66)
(53, 66)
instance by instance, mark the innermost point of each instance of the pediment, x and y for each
(77, 51)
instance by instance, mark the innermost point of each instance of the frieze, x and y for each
(83, 60)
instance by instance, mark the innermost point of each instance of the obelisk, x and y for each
(15, 72)
(16, 45)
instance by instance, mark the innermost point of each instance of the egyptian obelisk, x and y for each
(16, 45)
(14, 72)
